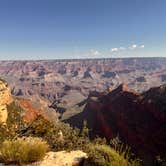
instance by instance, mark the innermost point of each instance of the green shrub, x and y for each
(59, 136)
(103, 155)
(14, 122)
(23, 150)
(3, 133)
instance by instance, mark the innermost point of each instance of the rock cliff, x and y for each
(5, 98)
(138, 119)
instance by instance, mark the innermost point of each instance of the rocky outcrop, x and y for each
(141, 79)
(163, 78)
(62, 158)
(32, 109)
(5, 98)
(138, 119)
(109, 74)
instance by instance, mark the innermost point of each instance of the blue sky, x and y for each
(51, 29)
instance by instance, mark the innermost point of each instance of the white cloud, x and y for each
(132, 47)
(94, 52)
(142, 46)
(114, 49)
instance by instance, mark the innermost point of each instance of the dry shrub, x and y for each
(23, 150)
(104, 155)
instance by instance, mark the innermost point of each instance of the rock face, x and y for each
(62, 158)
(32, 109)
(5, 98)
(44, 80)
(138, 119)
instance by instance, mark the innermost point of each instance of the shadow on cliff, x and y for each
(138, 119)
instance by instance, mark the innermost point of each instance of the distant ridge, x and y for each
(81, 59)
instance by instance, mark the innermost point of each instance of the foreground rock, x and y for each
(62, 158)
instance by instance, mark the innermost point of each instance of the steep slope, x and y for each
(30, 108)
(34, 109)
(137, 119)
(5, 98)
(67, 105)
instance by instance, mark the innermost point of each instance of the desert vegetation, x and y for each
(25, 143)
(103, 155)
(23, 150)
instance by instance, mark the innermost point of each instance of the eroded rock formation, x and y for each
(5, 98)
(138, 119)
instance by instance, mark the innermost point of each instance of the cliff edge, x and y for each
(5, 98)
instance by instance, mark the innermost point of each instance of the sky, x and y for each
(62, 29)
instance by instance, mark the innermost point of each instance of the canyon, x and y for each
(48, 80)
(123, 98)
(137, 119)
